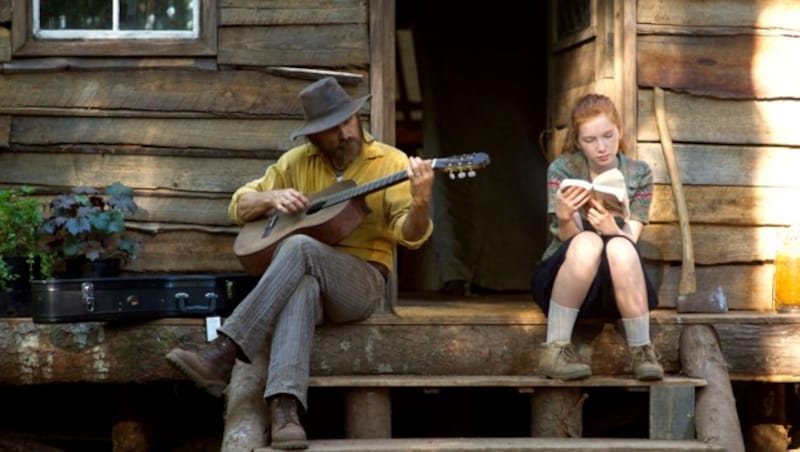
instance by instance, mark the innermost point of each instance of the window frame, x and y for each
(23, 43)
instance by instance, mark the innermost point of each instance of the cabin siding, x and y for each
(184, 132)
(730, 106)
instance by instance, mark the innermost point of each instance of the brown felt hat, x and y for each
(326, 105)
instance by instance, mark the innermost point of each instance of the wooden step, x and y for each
(513, 381)
(505, 445)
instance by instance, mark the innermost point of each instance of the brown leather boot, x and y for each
(287, 432)
(211, 367)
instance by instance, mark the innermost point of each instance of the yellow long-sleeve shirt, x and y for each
(305, 169)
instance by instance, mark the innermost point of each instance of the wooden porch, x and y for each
(429, 342)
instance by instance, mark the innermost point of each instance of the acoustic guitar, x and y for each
(332, 214)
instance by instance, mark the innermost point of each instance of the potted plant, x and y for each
(22, 258)
(86, 230)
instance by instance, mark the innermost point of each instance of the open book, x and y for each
(609, 188)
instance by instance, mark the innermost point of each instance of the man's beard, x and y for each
(346, 150)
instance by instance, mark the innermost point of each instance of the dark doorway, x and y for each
(475, 80)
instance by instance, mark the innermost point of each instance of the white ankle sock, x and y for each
(637, 330)
(560, 321)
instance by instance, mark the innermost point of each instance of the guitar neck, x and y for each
(365, 189)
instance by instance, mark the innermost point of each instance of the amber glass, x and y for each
(786, 287)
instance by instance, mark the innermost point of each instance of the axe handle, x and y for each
(688, 283)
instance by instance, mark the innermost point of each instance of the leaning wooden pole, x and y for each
(716, 419)
(246, 413)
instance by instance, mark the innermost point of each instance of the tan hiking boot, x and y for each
(287, 432)
(645, 363)
(560, 360)
(211, 367)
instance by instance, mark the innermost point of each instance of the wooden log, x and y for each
(746, 166)
(573, 74)
(131, 436)
(368, 413)
(228, 92)
(746, 286)
(713, 244)
(731, 205)
(5, 131)
(247, 418)
(557, 412)
(170, 173)
(5, 45)
(57, 64)
(5, 11)
(767, 438)
(762, 122)
(717, 420)
(237, 134)
(185, 252)
(291, 12)
(693, 64)
(766, 14)
(330, 45)
(491, 338)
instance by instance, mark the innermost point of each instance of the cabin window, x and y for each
(114, 28)
(109, 19)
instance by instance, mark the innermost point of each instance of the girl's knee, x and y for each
(586, 246)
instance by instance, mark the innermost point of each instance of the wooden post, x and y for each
(672, 412)
(131, 436)
(716, 419)
(246, 413)
(132, 430)
(368, 413)
(557, 412)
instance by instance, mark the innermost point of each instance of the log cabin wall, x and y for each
(183, 130)
(727, 67)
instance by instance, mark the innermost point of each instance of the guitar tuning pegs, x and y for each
(452, 176)
(461, 175)
(471, 173)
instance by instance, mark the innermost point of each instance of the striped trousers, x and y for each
(307, 283)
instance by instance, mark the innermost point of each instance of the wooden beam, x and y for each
(756, 345)
(297, 12)
(235, 134)
(781, 14)
(712, 244)
(759, 122)
(224, 94)
(382, 69)
(753, 66)
(140, 172)
(332, 45)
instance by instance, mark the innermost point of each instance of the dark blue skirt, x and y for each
(600, 301)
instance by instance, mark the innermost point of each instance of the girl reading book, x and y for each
(592, 267)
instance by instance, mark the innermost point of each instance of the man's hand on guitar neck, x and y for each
(255, 205)
(420, 174)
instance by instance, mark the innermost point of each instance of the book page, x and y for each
(608, 188)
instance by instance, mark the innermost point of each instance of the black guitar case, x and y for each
(137, 297)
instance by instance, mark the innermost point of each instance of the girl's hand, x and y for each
(569, 201)
(601, 220)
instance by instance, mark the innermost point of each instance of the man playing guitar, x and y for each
(306, 280)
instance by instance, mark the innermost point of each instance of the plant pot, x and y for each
(16, 300)
(80, 267)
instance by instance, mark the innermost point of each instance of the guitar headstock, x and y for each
(461, 166)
